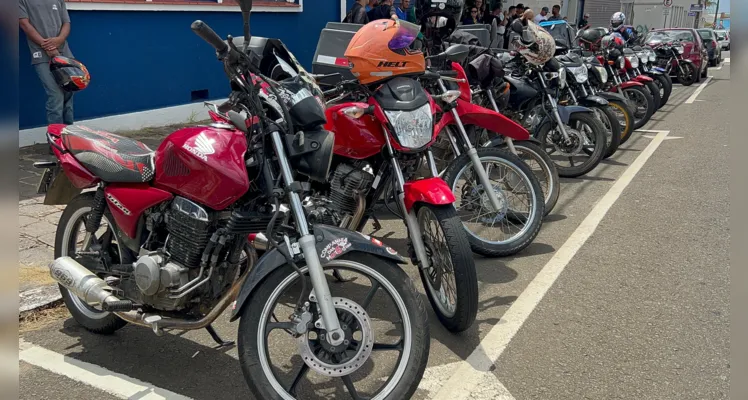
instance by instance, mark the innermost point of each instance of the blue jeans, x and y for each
(59, 102)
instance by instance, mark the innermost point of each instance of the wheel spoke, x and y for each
(302, 372)
(351, 389)
(287, 326)
(387, 347)
(370, 295)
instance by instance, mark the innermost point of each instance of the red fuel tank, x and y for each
(204, 164)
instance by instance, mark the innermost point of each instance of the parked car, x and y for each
(714, 50)
(694, 48)
(724, 39)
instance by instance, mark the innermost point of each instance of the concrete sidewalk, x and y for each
(38, 222)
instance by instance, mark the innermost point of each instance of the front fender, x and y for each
(612, 96)
(628, 84)
(643, 79)
(499, 142)
(328, 238)
(566, 111)
(592, 100)
(686, 60)
(472, 114)
(431, 191)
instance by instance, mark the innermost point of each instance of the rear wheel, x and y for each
(69, 240)
(451, 281)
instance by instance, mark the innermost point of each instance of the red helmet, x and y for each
(69, 73)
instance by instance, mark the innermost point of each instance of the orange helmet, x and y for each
(379, 50)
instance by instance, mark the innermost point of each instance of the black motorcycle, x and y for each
(647, 58)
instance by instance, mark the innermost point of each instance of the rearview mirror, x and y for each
(246, 7)
(457, 52)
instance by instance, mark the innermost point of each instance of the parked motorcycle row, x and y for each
(264, 210)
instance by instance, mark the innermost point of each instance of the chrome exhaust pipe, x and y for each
(82, 282)
(258, 241)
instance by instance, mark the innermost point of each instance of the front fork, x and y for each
(411, 222)
(509, 141)
(335, 334)
(473, 154)
(554, 108)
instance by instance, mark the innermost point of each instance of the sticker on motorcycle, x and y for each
(335, 248)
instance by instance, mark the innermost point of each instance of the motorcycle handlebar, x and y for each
(206, 33)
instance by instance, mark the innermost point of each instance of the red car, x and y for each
(689, 38)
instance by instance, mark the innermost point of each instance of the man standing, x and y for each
(357, 14)
(518, 11)
(583, 24)
(384, 10)
(47, 26)
(555, 13)
(402, 11)
(542, 16)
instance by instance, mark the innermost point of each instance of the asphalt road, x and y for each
(641, 310)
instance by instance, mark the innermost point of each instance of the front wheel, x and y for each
(612, 130)
(544, 169)
(625, 116)
(687, 74)
(643, 102)
(380, 313)
(451, 281)
(584, 150)
(665, 86)
(516, 223)
(654, 90)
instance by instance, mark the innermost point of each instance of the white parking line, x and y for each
(92, 375)
(698, 90)
(470, 372)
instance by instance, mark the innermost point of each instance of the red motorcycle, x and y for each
(162, 240)
(639, 96)
(510, 224)
(380, 143)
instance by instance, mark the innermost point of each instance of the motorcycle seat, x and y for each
(112, 158)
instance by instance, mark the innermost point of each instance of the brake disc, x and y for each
(349, 356)
(577, 142)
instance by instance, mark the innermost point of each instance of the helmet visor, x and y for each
(405, 35)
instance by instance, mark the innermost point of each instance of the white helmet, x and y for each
(617, 19)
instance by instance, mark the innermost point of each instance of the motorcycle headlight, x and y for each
(643, 57)
(580, 73)
(603, 73)
(652, 56)
(634, 60)
(621, 62)
(680, 49)
(413, 129)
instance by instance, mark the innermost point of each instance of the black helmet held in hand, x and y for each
(590, 39)
(71, 75)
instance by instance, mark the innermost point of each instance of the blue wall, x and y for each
(141, 60)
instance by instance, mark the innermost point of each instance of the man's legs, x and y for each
(59, 103)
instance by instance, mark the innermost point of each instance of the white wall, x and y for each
(648, 14)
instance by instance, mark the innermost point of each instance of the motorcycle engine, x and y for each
(157, 273)
(346, 184)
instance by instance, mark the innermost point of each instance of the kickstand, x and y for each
(214, 335)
